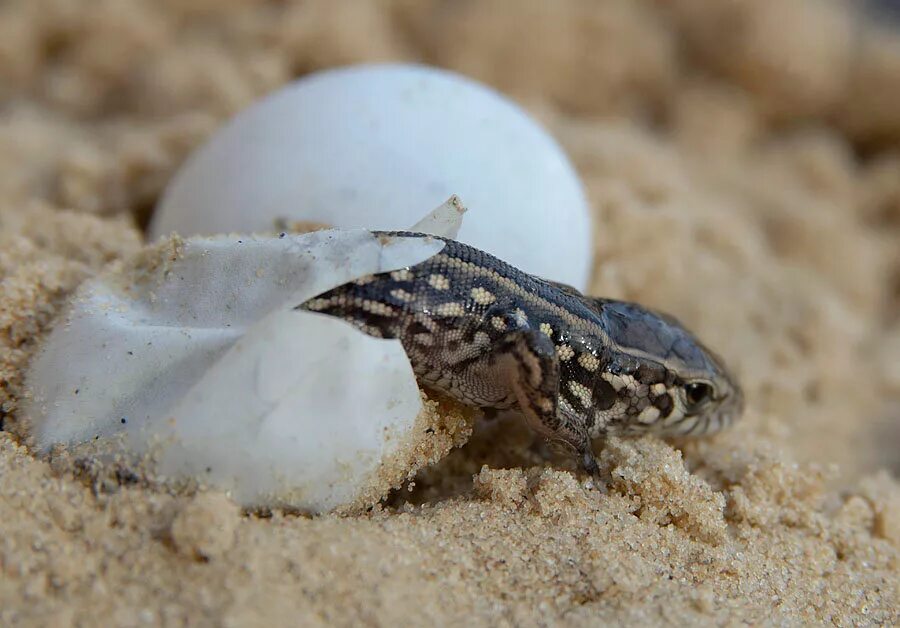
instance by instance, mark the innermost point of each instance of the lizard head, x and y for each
(664, 380)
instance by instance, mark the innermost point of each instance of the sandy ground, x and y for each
(743, 160)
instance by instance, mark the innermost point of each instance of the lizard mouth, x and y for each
(728, 409)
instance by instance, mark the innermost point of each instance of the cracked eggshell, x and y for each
(196, 355)
(369, 146)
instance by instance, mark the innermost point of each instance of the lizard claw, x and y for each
(589, 464)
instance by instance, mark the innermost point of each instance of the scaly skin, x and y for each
(576, 367)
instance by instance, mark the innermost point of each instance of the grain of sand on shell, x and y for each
(747, 182)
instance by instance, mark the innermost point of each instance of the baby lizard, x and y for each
(577, 367)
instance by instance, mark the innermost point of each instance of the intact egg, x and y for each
(369, 147)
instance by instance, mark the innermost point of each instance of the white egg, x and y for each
(196, 355)
(370, 147)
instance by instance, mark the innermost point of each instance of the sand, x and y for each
(743, 162)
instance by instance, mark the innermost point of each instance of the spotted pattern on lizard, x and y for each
(577, 367)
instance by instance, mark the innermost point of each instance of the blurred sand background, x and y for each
(743, 162)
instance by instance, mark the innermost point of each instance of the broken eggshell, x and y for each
(196, 354)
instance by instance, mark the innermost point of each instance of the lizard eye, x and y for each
(697, 393)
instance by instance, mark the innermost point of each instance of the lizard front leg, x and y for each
(528, 361)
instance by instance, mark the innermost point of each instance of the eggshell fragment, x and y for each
(444, 221)
(195, 353)
(369, 146)
(316, 407)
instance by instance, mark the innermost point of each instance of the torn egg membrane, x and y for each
(194, 354)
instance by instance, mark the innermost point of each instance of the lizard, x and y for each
(578, 368)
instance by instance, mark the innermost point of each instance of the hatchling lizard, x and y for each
(577, 367)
